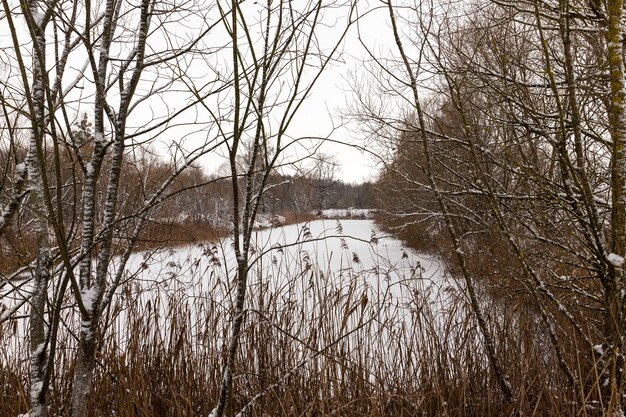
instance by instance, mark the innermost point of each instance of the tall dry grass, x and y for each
(315, 343)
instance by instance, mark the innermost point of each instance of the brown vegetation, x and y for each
(323, 358)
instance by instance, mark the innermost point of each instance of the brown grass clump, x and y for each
(17, 248)
(318, 345)
(292, 217)
(175, 234)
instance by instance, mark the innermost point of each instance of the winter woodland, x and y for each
(172, 244)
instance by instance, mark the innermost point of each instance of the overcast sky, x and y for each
(318, 117)
(332, 97)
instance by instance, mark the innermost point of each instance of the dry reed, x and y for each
(315, 344)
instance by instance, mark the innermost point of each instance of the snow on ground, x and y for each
(301, 267)
(349, 213)
(265, 221)
(346, 247)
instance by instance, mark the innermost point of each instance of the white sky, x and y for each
(318, 117)
(332, 97)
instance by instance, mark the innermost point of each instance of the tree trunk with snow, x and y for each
(94, 286)
(614, 285)
(111, 38)
(36, 164)
(272, 76)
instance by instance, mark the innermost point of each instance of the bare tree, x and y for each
(276, 61)
(114, 57)
(323, 177)
(511, 144)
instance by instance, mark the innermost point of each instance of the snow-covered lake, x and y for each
(335, 250)
(342, 275)
(302, 267)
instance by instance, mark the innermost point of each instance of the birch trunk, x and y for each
(93, 288)
(36, 164)
(85, 360)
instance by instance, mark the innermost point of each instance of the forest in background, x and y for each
(198, 206)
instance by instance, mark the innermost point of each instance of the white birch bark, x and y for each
(19, 194)
(36, 167)
(94, 287)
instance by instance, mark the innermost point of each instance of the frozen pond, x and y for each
(330, 249)
(345, 277)
(326, 301)
(321, 265)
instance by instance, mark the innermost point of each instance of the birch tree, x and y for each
(115, 59)
(614, 283)
(277, 56)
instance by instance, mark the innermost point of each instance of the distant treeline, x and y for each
(208, 199)
(198, 206)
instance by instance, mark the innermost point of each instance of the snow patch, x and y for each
(88, 296)
(37, 17)
(98, 137)
(35, 389)
(598, 349)
(348, 213)
(20, 169)
(39, 349)
(265, 221)
(616, 260)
